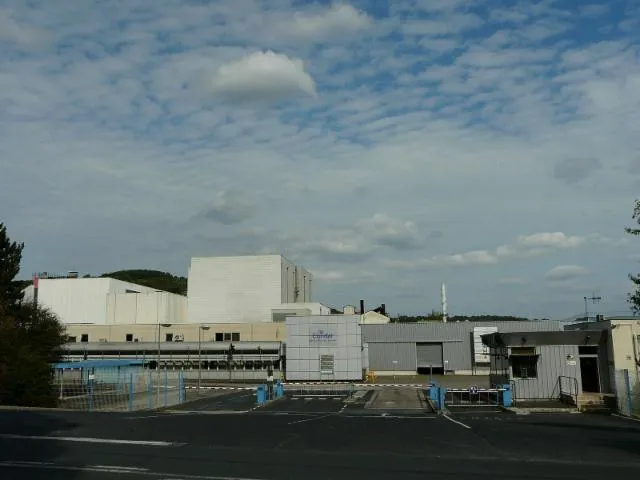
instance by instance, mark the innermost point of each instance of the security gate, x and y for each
(474, 397)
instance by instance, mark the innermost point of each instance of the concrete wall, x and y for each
(81, 300)
(310, 337)
(243, 289)
(146, 308)
(149, 332)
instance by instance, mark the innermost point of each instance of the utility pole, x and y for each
(594, 300)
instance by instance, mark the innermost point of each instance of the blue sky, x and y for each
(386, 146)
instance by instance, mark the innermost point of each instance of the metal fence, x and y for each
(628, 392)
(118, 389)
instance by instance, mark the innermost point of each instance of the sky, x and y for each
(386, 146)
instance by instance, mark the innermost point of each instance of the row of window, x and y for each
(169, 337)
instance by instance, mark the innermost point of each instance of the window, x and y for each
(84, 337)
(129, 337)
(524, 362)
(326, 364)
(71, 339)
(168, 337)
(219, 337)
(227, 337)
(588, 349)
(235, 337)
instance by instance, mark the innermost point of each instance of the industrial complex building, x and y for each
(246, 315)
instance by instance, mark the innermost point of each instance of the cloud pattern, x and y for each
(483, 143)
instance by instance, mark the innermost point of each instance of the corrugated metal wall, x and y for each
(382, 355)
(552, 364)
(456, 338)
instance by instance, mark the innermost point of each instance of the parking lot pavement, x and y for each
(305, 405)
(224, 400)
(496, 447)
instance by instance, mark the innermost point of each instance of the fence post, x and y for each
(150, 390)
(627, 384)
(181, 395)
(131, 392)
(442, 392)
(166, 387)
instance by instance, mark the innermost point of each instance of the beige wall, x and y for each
(626, 343)
(264, 332)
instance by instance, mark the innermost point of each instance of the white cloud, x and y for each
(566, 272)
(229, 208)
(340, 19)
(262, 76)
(550, 240)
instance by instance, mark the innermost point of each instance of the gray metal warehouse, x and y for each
(454, 347)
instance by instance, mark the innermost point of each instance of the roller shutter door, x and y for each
(429, 354)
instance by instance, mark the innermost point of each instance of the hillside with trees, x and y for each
(152, 279)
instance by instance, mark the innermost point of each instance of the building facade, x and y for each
(324, 348)
(244, 289)
(454, 347)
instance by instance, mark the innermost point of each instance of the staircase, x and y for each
(596, 402)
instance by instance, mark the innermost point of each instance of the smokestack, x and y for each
(444, 303)
(361, 307)
(35, 290)
(383, 309)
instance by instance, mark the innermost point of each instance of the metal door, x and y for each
(429, 355)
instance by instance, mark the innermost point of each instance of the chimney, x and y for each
(444, 303)
(383, 309)
(361, 307)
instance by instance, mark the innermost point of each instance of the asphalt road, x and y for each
(271, 444)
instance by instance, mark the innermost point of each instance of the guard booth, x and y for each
(563, 366)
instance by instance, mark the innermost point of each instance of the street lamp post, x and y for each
(203, 328)
(165, 325)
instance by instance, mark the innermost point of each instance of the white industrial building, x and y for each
(107, 301)
(249, 289)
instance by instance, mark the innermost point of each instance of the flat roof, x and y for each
(97, 364)
(530, 339)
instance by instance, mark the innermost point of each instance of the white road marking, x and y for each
(121, 470)
(456, 421)
(311, 419)
(150, 443)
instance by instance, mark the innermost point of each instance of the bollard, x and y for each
(261, 395)
(442, 392)
(506, 395)
(279, 389)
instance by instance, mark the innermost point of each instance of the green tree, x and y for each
(634, 297)
(31, 337)
(10, 256)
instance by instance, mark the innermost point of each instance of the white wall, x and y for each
(371, 318)
(314, 307)
(310, 337)
(81, 300)
(234, 289)
(146, 308)
(291, 272)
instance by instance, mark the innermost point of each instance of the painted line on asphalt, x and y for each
(149, 443)
(456, 421)
(313, 418)
(120, 470)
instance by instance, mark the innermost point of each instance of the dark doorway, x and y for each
(589, 374)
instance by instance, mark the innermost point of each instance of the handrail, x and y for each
(573, 387)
